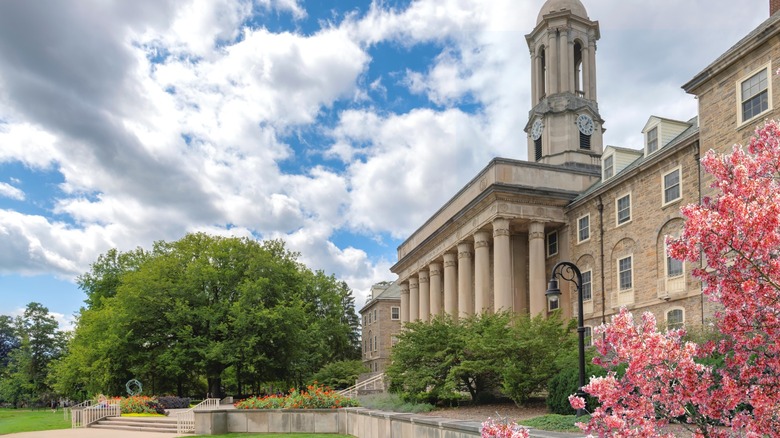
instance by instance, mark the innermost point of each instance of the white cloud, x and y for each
(9, 191)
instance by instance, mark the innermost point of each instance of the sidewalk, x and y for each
(92, 433)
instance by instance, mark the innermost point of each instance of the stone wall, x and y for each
(358, 422)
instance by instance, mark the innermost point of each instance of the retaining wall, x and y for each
(358, 422)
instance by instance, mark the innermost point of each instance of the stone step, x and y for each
(138, 424)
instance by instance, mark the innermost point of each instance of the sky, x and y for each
(338, 126)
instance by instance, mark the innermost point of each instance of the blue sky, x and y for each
(337, 126)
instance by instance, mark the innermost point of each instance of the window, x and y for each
(672, 186)
(609, 167)
(652, 140)
(583, 228)
(376, 343)
(552, 244)
(538, 148)
(675, 319)
(623, 209)
(587, 292)
(393, 340)
(754, 95)
(395, 313)
(625, 277)
(375, 318)
(370, 342)
(588, 336)
(674, 267)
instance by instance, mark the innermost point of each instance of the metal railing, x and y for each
(374, 383)
(84, 414)
(185, 420)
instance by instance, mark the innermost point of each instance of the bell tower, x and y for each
(564, 126)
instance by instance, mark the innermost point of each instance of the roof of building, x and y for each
(765, 30)
(685, 135)
(383, 291)
(550, 6)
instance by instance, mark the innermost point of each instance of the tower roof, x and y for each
(550, 6)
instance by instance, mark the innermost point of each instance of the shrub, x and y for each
(173, 402)
(139, 404)
(341, 374)
(566, 383)
(394, 403)
(313, 397)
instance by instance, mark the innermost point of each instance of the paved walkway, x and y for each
(92, 433)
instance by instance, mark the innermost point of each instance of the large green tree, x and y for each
(205, 308)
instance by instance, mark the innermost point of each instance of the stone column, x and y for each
(592, 62)
(536, 267)
(404, 302)
(465, 280)
(425, 296)
(414, 299)
(535, 67)
(563, 55)
(572, 66)
(552, 62)
(482, 272)
(451, 284)
(502, 266)
(435, 269)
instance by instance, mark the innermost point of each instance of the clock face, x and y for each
(536, 129)
(585, 124)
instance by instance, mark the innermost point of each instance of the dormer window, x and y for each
(652, 140)
(609, 167)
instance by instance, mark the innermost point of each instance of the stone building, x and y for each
(380, 322)
(607, 209)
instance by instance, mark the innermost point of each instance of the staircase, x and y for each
(137, 424)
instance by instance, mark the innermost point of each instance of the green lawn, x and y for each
(25, 420)
(276, 435)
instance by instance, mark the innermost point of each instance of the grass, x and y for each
(25, 420)
(556, 422)
(275, 435)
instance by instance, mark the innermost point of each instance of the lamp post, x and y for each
(568, 271)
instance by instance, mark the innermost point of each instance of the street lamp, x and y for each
(568, 271)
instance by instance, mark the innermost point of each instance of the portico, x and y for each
(490, 240)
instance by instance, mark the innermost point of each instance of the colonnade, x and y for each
(464, 287)
(554, 59)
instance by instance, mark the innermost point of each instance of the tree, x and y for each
(9, 341)
(737, 236)
(224, 310)
(340, 374)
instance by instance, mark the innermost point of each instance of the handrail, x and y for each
(352, 391)
(75, 413)
(94, 413)
(185, 420)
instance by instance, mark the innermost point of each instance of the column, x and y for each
(435, 280)
(465, 280)
(451, 284)
(414, 299)
(592, 62)
(482, 272)
(552, 62)
(425, 296)
(502, 267)
(404, 302)
(534, 77)
(536, 267)
(563, 55)
(586, 72)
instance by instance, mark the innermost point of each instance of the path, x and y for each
(92, 433)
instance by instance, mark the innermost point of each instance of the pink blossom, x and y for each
(576, 402)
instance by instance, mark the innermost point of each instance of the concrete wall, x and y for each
(358, 422)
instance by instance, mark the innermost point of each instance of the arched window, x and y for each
(370, 342)
(675, 319)
(542, 74)
(579, 85)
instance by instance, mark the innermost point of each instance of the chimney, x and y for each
(774, 6)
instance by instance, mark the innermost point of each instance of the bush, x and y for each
(140, 405)
(565, 383)
(173, 402)
(313, 397)
(393, 403)
(555, 422)
(341, 374)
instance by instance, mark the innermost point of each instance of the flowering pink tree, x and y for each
(736, 234)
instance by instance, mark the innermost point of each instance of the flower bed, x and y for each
(313, 397)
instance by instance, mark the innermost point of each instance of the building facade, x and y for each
(380, 322)
(607, 209)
